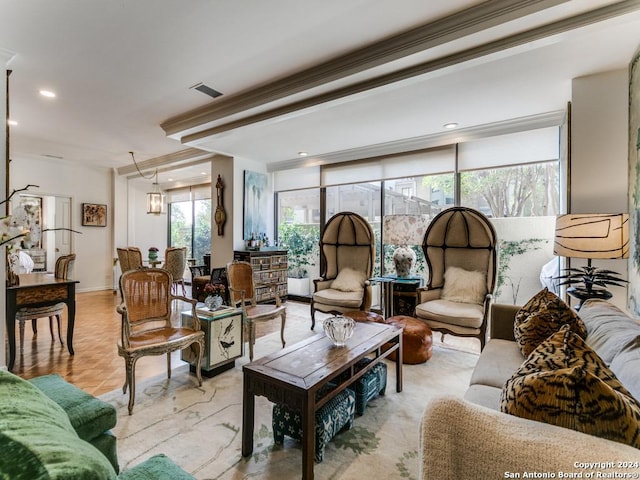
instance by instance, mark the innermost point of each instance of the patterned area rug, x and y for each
(200, 427)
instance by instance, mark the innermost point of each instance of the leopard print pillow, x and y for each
(565, 383)
(542, 316)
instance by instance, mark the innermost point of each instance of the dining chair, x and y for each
(123, 258)
(146, 323)
(63, 269)
(175, 261)
(135, 258)
(242, 292)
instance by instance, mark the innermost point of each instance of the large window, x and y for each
(512, 178)
(190, 221)
(299, 232)
(423, 196)
(522, 202)
(365, 199)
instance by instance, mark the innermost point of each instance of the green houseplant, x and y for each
(590, 282)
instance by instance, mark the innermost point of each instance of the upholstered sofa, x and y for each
(50, 429)
(469, 438)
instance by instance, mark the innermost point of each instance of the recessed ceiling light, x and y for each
(13, 123)
(169, 179)
(47, 93)
(303, 154)
(450, 125)
(203, 173)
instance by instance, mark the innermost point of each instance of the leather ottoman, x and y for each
(417, 338)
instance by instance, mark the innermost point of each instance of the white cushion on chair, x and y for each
(349, 280)
(464, 286)
(331, 296)
(456, 313)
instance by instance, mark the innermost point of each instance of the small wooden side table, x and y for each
(223, 339)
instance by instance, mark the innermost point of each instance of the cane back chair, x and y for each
(146, 323)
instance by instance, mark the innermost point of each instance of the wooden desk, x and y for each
(39, 290)
(295, 374)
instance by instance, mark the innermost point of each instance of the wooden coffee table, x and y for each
(294, 375)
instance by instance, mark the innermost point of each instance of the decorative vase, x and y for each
(153, 255)
(339, 329)
(213, 302)
(404, 258)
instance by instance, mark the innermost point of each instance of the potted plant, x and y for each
(301, 242)
(590, 282)
(214, 292)
(153, 253)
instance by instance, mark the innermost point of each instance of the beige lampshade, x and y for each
(592, 235)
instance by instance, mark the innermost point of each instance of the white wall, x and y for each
(94, 265)
(144, 230)
(599, 157)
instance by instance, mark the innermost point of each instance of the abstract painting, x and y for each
(634, 185)
(255, 203)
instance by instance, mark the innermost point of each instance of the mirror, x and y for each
(43, 212)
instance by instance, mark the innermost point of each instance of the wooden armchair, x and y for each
(243, 293)
(146, 323)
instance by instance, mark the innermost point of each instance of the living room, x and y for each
(599, 150)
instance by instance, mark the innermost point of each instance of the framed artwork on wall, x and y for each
(255, 204)
(94, 215)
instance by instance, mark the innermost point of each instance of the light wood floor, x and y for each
(96, 366)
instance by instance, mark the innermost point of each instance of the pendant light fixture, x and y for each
(155, 198)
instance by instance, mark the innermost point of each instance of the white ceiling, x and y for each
(123, 68)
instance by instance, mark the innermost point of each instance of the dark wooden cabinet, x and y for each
(269, 272)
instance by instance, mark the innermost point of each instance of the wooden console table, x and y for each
(294, 375)
(39, 290)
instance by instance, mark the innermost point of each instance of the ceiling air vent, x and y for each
(201, 87)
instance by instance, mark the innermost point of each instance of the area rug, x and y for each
(200, 427)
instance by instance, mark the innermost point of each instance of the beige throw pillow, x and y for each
(464, 286)
(349, 280)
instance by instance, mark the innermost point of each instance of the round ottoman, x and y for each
(362, 316)
(417, 339)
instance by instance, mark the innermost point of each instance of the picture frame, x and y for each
(94, 215)
(255, 208)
